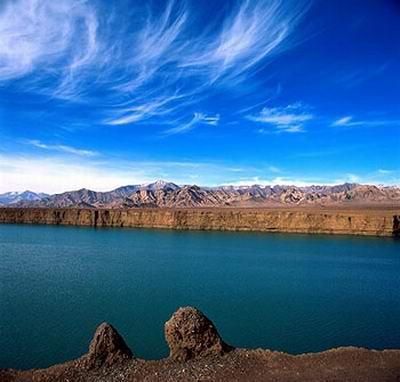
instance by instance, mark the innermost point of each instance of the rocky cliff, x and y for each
(379, 222)
(198, 353)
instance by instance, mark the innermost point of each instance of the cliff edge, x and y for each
(376, 222)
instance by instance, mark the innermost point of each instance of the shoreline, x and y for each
(349, 220)
(197, 352)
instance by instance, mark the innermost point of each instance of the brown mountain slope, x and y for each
(164, 194)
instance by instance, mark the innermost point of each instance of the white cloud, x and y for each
(198, 118)
(54, 175)
(385, 172)
(166, 51)
(274, 169)
(62, 148)
(47, 39)
(156, 107)
(289, 119)
(253, 31)
(211, 120)
(280, 180)
(142, 65)
(378, 177)
(57, 173)
(350, 121)
(344, 121)
(352, 178)
(375, 177)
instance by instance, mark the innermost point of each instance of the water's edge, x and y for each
(209, 354)
(368, 222)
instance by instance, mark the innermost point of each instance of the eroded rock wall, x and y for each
(380, 223)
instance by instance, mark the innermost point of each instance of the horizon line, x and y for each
(181, 185)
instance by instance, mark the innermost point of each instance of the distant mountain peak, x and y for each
(159, 185)
(160, 182)
(167, 194)
(15, 197)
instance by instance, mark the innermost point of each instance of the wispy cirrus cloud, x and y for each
(252, 31)
(62, 148)
(350, 121)
(343, 121)
(43, 40)
(147, 64)
(198, 118)
(359, 75)
(288, 119)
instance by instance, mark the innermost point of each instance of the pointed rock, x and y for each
(190, 334)
(107, 347)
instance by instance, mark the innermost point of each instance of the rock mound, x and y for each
(106, 348)
(190, 334)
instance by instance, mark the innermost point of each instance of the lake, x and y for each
(294, 293)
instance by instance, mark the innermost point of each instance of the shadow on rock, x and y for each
(190, 334)
(106, 348)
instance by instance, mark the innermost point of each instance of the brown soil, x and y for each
(208, 358)
(343, 364)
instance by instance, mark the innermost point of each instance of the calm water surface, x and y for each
(295, 293)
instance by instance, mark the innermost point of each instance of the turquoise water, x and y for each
(294, 293)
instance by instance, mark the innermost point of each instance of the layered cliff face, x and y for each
(357, 222)
(197, 353)
(165, 194)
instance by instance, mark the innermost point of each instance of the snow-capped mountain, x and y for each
(16, 197)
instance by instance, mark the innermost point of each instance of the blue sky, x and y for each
(99, 94)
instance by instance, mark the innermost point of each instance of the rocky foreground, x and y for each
(198, 353)
(364, 221)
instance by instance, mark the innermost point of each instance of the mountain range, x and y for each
(14, 197)
(169, 195)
